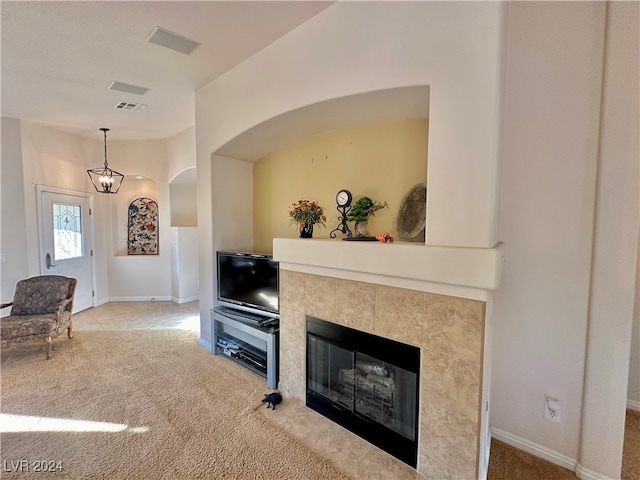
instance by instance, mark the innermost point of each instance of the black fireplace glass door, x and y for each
(385, 393)
(327, 363)
(364, 385)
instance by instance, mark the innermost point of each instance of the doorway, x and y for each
(66, 247)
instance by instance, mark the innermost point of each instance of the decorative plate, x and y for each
(412, 216)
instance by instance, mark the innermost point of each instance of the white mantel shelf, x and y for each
(458, 271)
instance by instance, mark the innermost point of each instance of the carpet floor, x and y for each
(154, 404)
(144, 404)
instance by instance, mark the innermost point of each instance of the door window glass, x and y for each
(67, 231)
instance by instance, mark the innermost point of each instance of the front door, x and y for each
(65, 240)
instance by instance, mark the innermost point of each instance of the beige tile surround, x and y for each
(448, 330)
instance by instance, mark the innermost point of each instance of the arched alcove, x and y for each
(401, 103)
(183, 199)
(386, 105)
(184, 236)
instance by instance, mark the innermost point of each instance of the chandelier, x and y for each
(103, 178)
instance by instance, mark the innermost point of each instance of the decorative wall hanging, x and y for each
(412, 216)
(143, 227)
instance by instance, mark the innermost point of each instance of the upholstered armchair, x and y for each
(41, 309)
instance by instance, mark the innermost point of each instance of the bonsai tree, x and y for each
(360, 213)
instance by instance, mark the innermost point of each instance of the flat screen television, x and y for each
(248, 281)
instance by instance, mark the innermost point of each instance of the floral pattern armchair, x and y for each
(41, 309)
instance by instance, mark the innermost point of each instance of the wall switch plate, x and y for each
(552, 409)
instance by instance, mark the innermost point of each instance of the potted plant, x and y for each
(360, 213)
(305, 214)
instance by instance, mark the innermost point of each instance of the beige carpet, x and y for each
(161, 407)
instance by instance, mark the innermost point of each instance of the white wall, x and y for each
(53, 158)
(615, 247)
(549, 161)
(550, 133)
(13, 263)
(231, 187)
(139, 277)
(37, 154)
(184, 201)
(633, 395)
(354, 47)
(181, 152)
(563, 173)
(452, 47)
(184, 277)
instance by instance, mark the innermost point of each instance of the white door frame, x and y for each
(40, 189)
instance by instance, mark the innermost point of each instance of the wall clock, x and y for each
(343, 199)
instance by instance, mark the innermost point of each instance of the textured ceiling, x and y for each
(58, 58)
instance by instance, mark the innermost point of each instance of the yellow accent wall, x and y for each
(381, 160)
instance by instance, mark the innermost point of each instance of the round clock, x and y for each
(343, 198)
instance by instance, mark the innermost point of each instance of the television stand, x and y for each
(248, 339)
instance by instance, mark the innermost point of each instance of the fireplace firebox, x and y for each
(365, 383)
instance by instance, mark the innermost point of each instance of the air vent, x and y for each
(132, 107)
(173, 41)
(127, 88)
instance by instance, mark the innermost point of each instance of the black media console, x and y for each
(249, 339)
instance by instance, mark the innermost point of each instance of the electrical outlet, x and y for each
(552, 409)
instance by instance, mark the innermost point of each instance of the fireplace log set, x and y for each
(369, 389)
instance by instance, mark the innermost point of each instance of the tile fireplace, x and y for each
(365, 383)
(433, 298)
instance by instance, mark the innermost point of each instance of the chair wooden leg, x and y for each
(47, 347)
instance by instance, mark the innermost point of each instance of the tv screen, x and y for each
(248, 280)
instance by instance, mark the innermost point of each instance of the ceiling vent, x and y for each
(127, 88)
(132, 107)
(165, 38)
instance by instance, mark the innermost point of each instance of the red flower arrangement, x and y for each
(304, 212)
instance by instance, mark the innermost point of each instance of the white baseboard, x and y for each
(535, 449)
(205, 344)
(101, 302)
(586, 474)
(184, 300)
(545, 453)
(633, 405)
(140, 299)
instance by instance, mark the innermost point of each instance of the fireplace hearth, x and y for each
(365, 383)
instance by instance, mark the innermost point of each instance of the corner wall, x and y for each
(615, 237)
(13, 263)
(549, 163)
(43, 155)
(562, 174)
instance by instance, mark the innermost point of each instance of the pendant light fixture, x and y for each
(104, 179)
